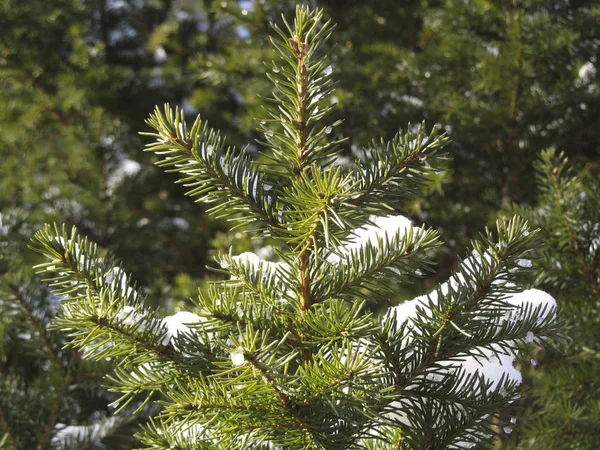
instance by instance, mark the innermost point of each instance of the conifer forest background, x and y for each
(513, 84)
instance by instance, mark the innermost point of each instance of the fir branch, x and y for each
(285, 400)
(556, 172)
(262, 278)
(361, 268)
(300, 46)
(333, 321)
(286, 356)
(395, 170)
(299, 92)
(249, 405)
(63, 368)
(132, 336)
(474, 295)
(213, 171)
(17, 293)
(315, 217)
(302, 84)
(224, 303)
(49, 428)
(559, 413)
(98, 294)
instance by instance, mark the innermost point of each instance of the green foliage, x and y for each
(66, 68)
(73, 110)
(45, 388)
(284, 353)
(507, 79)
(563, 404)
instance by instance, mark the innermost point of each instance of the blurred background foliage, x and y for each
(505, 79)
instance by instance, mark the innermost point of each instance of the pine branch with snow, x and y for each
(284, 353)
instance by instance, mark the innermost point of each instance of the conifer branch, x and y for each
(308, 76)
(49, 428)
(40, 330)
(588, 271)
(63, 368)
(464, 300)
(98, 295)
(399, 442)
(302, 83)
(261, 278)
(396, 256)
(462, 311)
(214, 172)
(396, 169)
(285, 400)
(301, 48)
(567, 211)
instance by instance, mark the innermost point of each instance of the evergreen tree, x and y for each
(284, 353)
(506, 80)
(562, 403)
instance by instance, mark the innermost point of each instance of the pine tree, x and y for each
(285, 353)
(563, 406)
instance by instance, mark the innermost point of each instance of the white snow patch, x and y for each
(91, 433)
(492, 49)
(529, 337)
(146, 370)
(343, 161)
(524, 262)
(130, 167)
(412, 100)
(237, 356)
(255, 263)
(587, 72)
(118, 281)
(160, 55)
(397, 414)
(178, 323)
(381, 227)
(272, 272)
(265, 252)
(181, 223)
(142, 222)
(130, 317)
(407, 310)
(493, 362)
(594, 245)
(531, 298)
